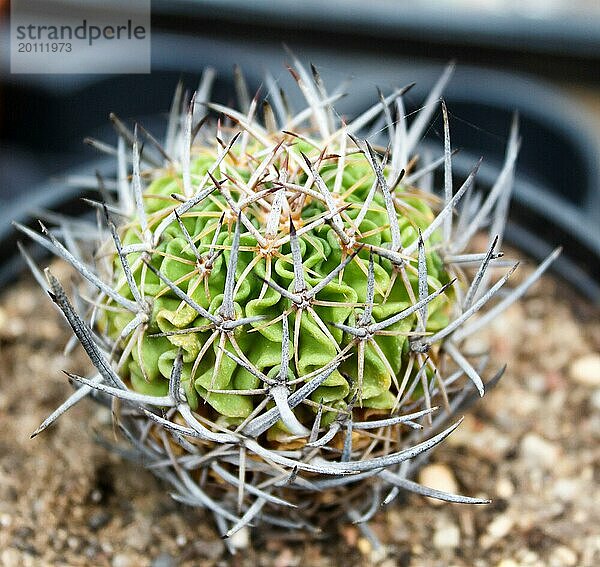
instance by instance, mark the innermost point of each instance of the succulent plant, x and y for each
(276, 307)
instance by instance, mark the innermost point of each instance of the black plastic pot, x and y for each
(463, 23)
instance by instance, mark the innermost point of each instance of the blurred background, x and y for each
(540, 58)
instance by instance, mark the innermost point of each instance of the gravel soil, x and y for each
(531, 446)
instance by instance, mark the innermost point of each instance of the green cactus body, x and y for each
(205, 372)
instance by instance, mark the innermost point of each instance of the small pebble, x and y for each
(446, 536)
(364, 546)
(504, 488)
(562, 556)
(440, 477)
(378, 554)
(538, 452)
(211, 549)
(284, 559)
(536, 383)
(10, 558)
(350, 534)
(500, 526)
(164, 560)
(106, 547)
(496, 530)
(98, 520)
(96, 496)
(241, 539)
(90, 551)
(566, 489)
(528, 557)
(124, 560)
(139, 534)
(586, 370)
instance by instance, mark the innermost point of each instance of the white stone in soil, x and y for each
(566, 489)
(446, 535)
(499, 528)
(440, 477)
(562, 556)
(586, 370)
(124, 560)
(241, 539)
(538, 452)
(504, 488)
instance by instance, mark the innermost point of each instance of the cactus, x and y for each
(277, 308)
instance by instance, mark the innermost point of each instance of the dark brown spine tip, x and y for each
(305, 157)
(213, 179)
(294, 73)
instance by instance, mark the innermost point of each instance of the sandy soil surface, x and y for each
(531, 445)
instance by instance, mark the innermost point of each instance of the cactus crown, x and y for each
(282, 290)
(282, 239)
